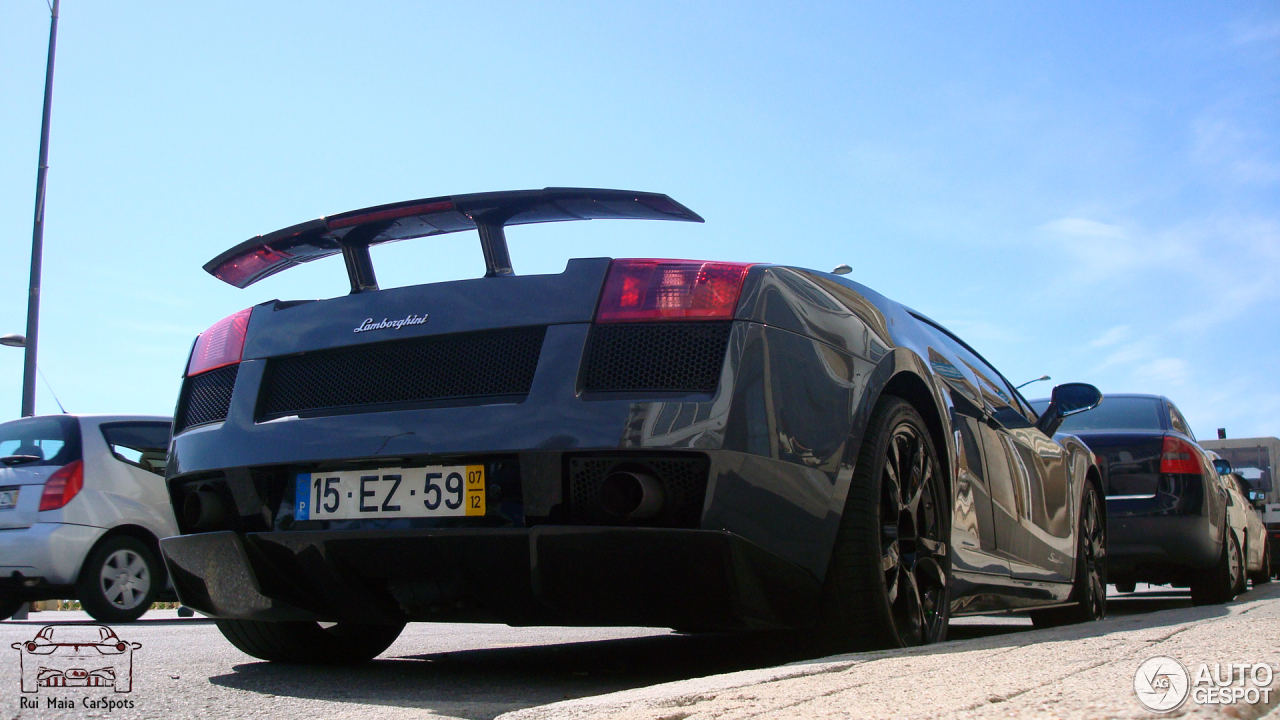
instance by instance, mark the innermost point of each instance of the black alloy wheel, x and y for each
(1089, 591)
(887, 585)
(310, 643)
(9, 606)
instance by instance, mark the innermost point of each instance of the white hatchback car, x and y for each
(82, 506)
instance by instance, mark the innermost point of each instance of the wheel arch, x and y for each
(903, 374)
(138, 532)
(912, 388)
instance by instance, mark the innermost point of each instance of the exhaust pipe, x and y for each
(203, 510)
(633, 495)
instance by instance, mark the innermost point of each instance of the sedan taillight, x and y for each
(1179, 456)
(220, 345)
(645, 290)
(63, 485)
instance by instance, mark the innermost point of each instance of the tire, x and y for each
(119, 580)
(1126, 587)
(9, 606)
(1263, 576)
(887, 584)
(307, 643)
(1218, 584)
(1089, 591)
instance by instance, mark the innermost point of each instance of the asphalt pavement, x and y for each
(992, 667)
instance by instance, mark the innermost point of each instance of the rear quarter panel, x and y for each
(117, 493)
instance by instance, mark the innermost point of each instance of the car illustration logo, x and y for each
(76, 656)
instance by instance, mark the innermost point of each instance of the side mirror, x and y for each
(1067, 399)
(1258, 499)
(1223, 466)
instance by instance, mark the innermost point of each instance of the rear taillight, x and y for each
(62, 485)
(220, 345)
(671, 290)
(1179, 456)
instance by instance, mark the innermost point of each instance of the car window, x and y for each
(145, 444)
(55, 439)
(1001, 401)
(1178, 422)
(1114, 413)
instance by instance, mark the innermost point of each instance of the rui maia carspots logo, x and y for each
(369, 324)
(75, 656)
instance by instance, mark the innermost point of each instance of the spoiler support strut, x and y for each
(493, 241)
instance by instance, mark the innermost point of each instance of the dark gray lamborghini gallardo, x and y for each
(668, 443)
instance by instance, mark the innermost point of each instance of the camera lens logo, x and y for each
(1161, 684)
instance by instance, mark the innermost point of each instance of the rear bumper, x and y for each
(51, 551)
(546, 575)
(1161, 544)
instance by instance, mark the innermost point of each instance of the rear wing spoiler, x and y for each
(352, 233)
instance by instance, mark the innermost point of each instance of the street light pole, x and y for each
(37, 233)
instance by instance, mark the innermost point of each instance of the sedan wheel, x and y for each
(1263, 575)
(887, 583)
(1221, 582)
(1238, 580)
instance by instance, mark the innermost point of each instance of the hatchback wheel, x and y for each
(119, 580)
(887, 582)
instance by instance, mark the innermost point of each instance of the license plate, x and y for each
(8, 498)
(424, 492)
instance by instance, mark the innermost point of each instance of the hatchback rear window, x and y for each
(1115, 413)
(145, 444)
(53, 440)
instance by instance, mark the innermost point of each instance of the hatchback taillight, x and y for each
(220, 345)
(63, 485)
(641, 290)
(1179, 456)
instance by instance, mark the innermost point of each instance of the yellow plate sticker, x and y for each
(475, 490)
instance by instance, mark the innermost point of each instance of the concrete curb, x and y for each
(1079, 671)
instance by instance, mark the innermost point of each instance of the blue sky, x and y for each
(1088, 190)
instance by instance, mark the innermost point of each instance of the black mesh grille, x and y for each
(683, 479)
(659, 356)
(207, 397)
(404, 371)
